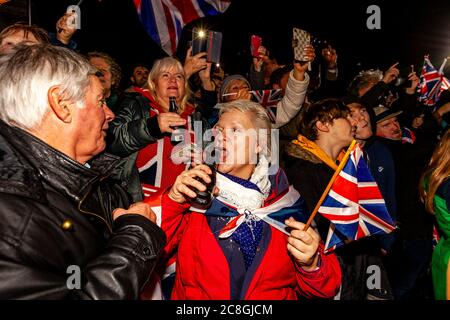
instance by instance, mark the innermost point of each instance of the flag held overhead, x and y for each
(432, 82)
(164, 19)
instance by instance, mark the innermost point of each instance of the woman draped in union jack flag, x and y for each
(435, 192)
(237, 248)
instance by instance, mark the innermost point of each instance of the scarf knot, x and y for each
(247, 236)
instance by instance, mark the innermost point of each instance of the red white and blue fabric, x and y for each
(164, 19)
(269, 100)
(432, 82)
(157, 164)
(408, 136)
(160, 163)
(289, 203)
(354, 205)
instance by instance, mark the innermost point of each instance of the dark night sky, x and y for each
(407, 30)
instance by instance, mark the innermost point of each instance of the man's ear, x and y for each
(61, 108)
(322, 126)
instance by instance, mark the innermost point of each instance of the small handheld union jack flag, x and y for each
(269, 100)
(354, 204)
(432, 82)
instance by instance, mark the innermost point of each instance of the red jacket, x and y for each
(203, 272)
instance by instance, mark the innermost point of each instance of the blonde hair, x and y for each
(437, 171)
(259, 118)
(164, 65)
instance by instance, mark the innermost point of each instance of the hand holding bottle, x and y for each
(196, 185)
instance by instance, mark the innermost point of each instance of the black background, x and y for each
(408, 30)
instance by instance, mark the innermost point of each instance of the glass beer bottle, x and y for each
(204, 198)
(177, 134)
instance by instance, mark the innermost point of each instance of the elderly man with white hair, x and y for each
(67, 230)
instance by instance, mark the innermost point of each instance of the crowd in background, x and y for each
(147, 241)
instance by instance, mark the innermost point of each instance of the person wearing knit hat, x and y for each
(234, 87)
(237, 87)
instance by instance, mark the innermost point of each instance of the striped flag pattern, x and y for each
(269, 100)
(164, 19)
(432, 82)
(354, 205)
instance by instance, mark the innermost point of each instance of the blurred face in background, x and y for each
(235, 90)
(361, 117)
(389, 129)
(418, 121)
(106, 76)
(13, 39)
(140, 76)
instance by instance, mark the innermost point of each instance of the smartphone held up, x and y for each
(255, 44)
(207, 41)
(300, 39)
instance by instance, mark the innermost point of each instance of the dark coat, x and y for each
(381, 165)
(310, 176)
(131, 130)
(410, 161)
(57, 213)
(382, 168)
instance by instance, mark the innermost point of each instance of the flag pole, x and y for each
(327, 189)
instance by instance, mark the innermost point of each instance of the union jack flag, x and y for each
(354, 205)
(164, 19)
(432, 82)
(288, 204)
(268, 99)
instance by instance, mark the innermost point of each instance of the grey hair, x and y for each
(163, 65)
(259, 118)
(28, 72)
(364, 79)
